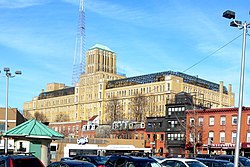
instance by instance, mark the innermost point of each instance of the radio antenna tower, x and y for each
(79, 55)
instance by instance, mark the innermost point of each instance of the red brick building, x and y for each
(218, 134)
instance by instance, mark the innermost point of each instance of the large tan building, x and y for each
(101, 83)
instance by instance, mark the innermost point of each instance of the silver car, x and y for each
(181, 162)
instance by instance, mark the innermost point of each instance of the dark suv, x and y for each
(243, 161)
(20, 161)
(131, 161)
(99, 161)
(215, 162)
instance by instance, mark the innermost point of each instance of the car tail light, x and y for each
(100, 165)
(11, 163)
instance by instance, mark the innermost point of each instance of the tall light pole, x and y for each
(8, 75)
(235, 23)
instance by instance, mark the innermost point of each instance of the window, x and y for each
(200, 121)
(191, 121)
(234, 120)
(142, 136)
(191, 137)
(248, 119)
(148, 137)
(210, 137)
(248, 136)
(200, 136)
(162, 137)
(169, 111)
(222, 137)
(233, 137)
(222, 120)
(211, 121)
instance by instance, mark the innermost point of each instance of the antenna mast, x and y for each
(79, 57)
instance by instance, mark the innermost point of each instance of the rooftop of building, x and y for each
(160, 76)
(56, 93)
(102, 47)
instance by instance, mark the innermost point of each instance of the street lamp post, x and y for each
(8, 75)
(235, 23)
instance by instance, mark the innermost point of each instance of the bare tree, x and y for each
(40, 117)
(114, 110)
(138, 107)
(103, 131)
(62, 118)
(27, 115)
(194, 130)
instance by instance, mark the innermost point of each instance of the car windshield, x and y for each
(195, 164)
(27, 162)
(244, 161)
(100, 159)
(146, 164)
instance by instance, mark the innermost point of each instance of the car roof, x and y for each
(209, 159)
(178, 159)
(135, 158)
(75, 162)
(17, 156)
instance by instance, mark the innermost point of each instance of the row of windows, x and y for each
(137, 91)
(48, 103)
(222, 120)
(223, 135)
(70, 129)
(155, 137)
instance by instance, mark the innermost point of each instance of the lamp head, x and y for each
(235, 23)
(18, 72)
(6, 69)
(229, 14)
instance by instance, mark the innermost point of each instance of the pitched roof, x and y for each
(93, 118)
(100, 46)
(33, 129)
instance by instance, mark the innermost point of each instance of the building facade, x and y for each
(14, 118)
(101, 86)
(218, 134)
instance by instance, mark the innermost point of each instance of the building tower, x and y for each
(100, 58)
(79, 58)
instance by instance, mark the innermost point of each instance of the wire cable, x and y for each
(212, 53)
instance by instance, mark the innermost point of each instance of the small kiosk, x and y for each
(33, 137)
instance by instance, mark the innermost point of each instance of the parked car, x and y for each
(215, 162)
(158, 159)
(71, 163)
(99, 161)
(131, 161)
(20, 161)
(181, 162)
(66, 158)
(243, 161)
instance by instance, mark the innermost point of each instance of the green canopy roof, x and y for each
(100, 46)
(33, 129)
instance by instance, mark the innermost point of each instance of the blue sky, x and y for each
(148, 36)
